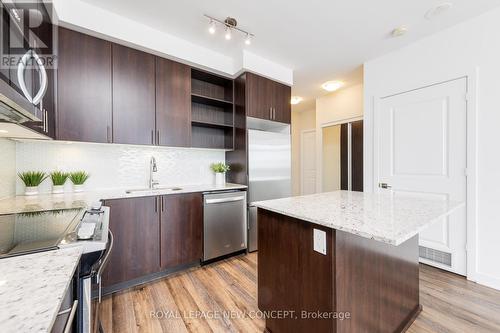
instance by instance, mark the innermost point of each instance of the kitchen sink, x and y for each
(156, 189)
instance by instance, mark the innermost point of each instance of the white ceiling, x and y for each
(319, 39)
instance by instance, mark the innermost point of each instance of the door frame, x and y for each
(472, 79)
(302, 132)
(319, 154)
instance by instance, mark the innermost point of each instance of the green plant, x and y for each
(32, 178)
(79, 177)
(219, 167)
(59, 177)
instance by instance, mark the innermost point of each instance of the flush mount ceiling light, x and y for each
(296, 100)
(230, 25)
(332, 85)
(438, 10)
(399, 31)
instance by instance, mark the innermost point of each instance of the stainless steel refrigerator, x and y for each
(269, 167)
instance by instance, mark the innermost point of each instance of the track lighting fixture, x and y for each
(230, 25)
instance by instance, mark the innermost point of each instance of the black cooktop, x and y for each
(32, 232)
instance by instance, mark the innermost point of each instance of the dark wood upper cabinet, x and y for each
(259, 96)
(181, 229)
(84, 88)
(267, 99)
(133, 96)
(282, 107)
(173, 103)
(135, 225)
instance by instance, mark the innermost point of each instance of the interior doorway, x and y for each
(342, 156)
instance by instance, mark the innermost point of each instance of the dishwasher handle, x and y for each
(223, 200)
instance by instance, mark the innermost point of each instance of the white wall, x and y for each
(301, 120)
(116, 166)
(341, 106)
(7, 168)
(85, 17)
(453, 53)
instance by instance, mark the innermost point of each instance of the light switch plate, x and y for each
(319, 241)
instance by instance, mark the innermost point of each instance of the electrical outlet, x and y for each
(319, 241)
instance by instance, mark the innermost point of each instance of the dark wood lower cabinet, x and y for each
(136, 229)
(152, 236)
(181, 229)
(374, 283)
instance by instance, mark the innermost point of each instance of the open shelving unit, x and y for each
(212, 111)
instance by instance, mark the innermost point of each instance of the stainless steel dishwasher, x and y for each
(224, 223)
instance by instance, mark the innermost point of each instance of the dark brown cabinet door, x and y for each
(83, 88)
(173, 103)
(181, 229)
(135, 226)
(259, 96)
(133, 96)
(282, 107)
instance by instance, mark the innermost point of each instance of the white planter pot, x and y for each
(220, 179)
(78, 188)
(31, 190)
(57, 189)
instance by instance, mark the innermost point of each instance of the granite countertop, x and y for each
(43, 202)
(32, 288)
(382, 217)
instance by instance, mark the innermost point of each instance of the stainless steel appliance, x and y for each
(269, 167)
(224, 223)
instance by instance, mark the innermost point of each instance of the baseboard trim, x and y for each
(487, 280)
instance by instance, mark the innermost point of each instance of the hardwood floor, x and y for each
(222, 297)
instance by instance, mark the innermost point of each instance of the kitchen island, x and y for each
(342, 261)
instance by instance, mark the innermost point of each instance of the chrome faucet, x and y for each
(152, 169)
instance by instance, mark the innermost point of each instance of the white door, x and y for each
(308, 162)
(421, 149)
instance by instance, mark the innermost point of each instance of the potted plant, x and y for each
(78, 178)
(31, 180)
(220, 169)
(58, 180)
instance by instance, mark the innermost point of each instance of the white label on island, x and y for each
(319, 240)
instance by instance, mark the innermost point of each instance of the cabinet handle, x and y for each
(46, 121)
(270, 113)
(162, 205)
(274, 113)
(156, 205)
(152, 137)
(158, 137)
(108, 134)
(69, 323)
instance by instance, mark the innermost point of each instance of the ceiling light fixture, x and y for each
(296, 100)
(230, 25)
(4, 131)
(248, 40)
(438, 10)
(399, 31)
(227, 35)
(212, 27)
(332, 85)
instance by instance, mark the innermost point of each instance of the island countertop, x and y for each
(387, 218)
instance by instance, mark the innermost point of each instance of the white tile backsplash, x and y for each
(116, 166)
(7, 168)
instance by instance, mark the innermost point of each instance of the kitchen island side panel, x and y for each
(377, 283)
(292, 277)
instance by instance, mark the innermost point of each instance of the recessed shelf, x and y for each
(212, 110)
(210, 124)
(196, 98)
